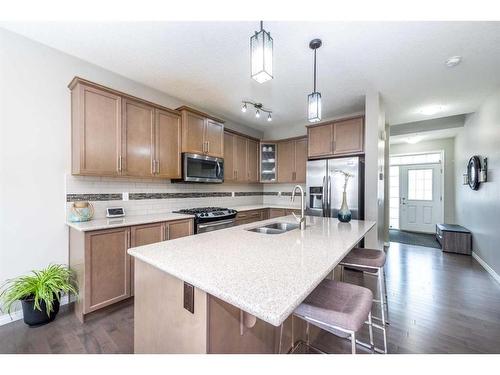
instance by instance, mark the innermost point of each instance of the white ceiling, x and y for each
(207, 63)
(427, 136)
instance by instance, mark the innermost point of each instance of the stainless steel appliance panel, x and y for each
(316, 188)
(214, 225)
(202, 168)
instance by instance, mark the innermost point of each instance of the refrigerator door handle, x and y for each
(323, 197)
(329, 201)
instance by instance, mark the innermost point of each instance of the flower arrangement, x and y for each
(347, 175)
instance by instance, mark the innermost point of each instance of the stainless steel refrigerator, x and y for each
(325, 187)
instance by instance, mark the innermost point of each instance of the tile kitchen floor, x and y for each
(439, 303)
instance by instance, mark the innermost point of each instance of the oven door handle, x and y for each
(217, 223)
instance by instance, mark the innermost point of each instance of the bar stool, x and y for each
(371, 262)
(339, 308)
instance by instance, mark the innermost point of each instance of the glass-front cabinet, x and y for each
(268, 162)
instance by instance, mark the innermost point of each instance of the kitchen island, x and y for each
(230, 290)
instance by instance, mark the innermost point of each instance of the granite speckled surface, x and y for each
(265, 275)
(126, 221)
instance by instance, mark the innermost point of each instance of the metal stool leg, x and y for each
(307, 333)
(353, 343)
(385, 294)
(381, 293)
(370, 328)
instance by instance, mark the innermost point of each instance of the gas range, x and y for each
(208, 219)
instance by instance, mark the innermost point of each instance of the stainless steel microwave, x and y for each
(202, 168)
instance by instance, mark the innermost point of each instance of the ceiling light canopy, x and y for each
(414, 139)
(314, 99)
(431, 110)
(453, 61)
(259, 107)
(261, 51)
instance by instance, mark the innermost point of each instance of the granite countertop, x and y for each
(265, 275)
(126, 221)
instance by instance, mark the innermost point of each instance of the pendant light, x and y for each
(261, 50)
(314, 99)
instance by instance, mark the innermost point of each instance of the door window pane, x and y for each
(394, 197)
(420, 184)
(432, 158)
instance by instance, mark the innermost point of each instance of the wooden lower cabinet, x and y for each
(276, 212)
(103, 269)
(107, 271)
(247, 217)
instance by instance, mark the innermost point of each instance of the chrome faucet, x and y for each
(302, 219)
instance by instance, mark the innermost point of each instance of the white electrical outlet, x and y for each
(125, 196)
(279, 193)
(232, 194)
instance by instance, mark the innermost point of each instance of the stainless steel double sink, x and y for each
(275, 228)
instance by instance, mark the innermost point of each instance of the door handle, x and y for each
(329, 201)
(323, 197)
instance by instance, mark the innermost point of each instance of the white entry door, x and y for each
(420, 197)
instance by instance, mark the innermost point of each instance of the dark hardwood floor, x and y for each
(439, 303)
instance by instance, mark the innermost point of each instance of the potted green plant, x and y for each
(40, 293)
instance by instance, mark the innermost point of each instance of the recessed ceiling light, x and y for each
(414, 139)
(453, 61)
(431, 110)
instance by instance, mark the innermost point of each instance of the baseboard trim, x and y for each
(18, 314)
(485, 265)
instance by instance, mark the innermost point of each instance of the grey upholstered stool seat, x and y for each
(371, 261)
(367, 257)
(338, 308)
(337, 304)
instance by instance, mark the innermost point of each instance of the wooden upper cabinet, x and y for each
(107, 268)
(240, 157)
(320, 140)
(96, 131)
(252, 160)
(193, 133)
(292, 160)
(339, 137)
(167, 145)
(300, 160)
(286, 161)
(214, 138)
(138, 123)
(229, 159)
(348, 136)
(201, 133)
(115, 134)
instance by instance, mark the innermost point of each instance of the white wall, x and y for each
(479, 211)
(374, 168)
(35, 148)
(448, 146)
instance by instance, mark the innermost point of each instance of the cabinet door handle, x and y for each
(128, 239)
(153, 166)
(167, 232)
(119, 163)
(157, 167)
(208, 147)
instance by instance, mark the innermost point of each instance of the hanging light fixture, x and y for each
(261, 50)
(314, 99)
(259, 107)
